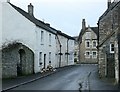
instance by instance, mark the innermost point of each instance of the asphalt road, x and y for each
(66, 79)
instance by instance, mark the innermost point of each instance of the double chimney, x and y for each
(31, 9)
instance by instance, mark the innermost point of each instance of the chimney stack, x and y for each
(30, 9)
(109, 3)
(83, 24)
(8, 1)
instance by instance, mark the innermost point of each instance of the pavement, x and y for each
(90, 82)
(8, 84)
(95, 83)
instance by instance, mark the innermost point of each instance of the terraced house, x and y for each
(30, 45)
(109, 41)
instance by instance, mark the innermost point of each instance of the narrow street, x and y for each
(68, 79)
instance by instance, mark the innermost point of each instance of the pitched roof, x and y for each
(65, 35)
(33, 19)
(94, 29)
(39, 23)
(112, 6)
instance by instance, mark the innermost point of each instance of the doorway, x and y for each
(110, 65)
(44, 61)
(22, 59)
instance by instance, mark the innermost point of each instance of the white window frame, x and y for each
(42, 37)
(88, 35)
(86, 43)
(86, 54)
(93, 55)
(50, 56)
(111, 47)
(50, 39)
(93, 44)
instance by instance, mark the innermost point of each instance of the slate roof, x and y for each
(33, 19)
(40, 23)
(65, 35)
(94, 29)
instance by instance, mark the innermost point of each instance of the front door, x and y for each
(110, 65)
(44, 61)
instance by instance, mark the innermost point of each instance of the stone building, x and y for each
(28, 44)
(88, 43)
(17, 60)
(109, 41)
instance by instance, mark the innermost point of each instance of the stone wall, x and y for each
(108, 30)
(11, 58)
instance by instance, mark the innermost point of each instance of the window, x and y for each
(49, 39)
(111, 48)
(87, 54)
(94, 44)
(88, 35)
(87, 44)
(94, 54)
(40, 58)
(50, 56)
(42, 37)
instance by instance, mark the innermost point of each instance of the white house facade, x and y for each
(32, 43)
(65, 49)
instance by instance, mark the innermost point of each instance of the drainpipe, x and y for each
(60, 49)
(67, 51)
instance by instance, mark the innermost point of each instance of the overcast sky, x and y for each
(66, 15)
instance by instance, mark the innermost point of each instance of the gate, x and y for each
(110, 65)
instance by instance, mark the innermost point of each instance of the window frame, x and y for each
(93, 43)
(86, 55)
(87, 44)
(111, 48)
(93, 55)
(42, 37)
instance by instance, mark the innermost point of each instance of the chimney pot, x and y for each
(30, 9)
(109, 3)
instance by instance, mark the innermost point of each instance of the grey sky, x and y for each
(66, 15)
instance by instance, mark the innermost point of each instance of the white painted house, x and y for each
(45, 41)
(65, 49)
(18, 25)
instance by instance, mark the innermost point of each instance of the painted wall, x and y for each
(66, 59)
(18, 27)
(71, 51)
(45, 47)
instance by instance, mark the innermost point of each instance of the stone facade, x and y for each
(109, 27)
(88, 44)
(17, 60)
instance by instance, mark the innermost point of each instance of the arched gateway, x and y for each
(17, 60)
